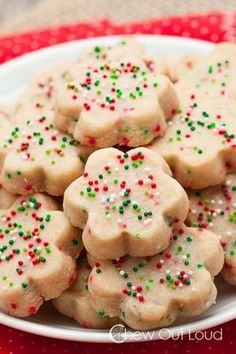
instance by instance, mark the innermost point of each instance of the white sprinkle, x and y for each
(24, 157)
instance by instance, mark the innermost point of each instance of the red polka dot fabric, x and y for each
(215, 27)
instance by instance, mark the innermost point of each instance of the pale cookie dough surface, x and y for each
(6, 112)
(35, 156)
(152, 292)
(178, 68)
(43, 87)
(37, 250)
(200, 144)
(126, 203)
(119, 103)
(75, 301)
(215, 209)
(125, 47)
(6, 198)
(214, 75)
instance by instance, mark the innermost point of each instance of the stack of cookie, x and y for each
(91, 215)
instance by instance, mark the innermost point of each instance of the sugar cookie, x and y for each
(35, 157)
(126, 203)
(152, 292)
(37, 250)
(215, 209)
(120, 103)
(200, 144)
(75, 302)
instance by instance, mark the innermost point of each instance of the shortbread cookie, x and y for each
(126, 46)
(75, 301)
(119, 103)
(35, 157)
(215, 209)
(200, 144)
(6, 198)
(122, 49)
(126, 203)
(152, 292)
(179, 67)
(43, 87)
(37, 250)
(213, 76)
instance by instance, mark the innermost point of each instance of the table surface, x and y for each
(21, 15)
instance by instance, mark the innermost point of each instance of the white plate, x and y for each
(14, 77)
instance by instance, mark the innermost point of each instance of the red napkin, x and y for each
(215, 27)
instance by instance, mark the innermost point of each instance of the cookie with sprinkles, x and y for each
(119, 103)
(200, 144)
(75, 301)
(43, 87)
(106, 53)
(126, 203)
(151, 292)
(120, 50)
(38, 247)
(215, 209)
(214, 74)
(35, 156)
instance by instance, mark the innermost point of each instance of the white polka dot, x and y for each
(204, 30)
(194, 24)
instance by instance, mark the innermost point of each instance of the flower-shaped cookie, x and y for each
(43, 87)
(214, 74)
(118, 103)
(152, 292)
(126, 203)
(200, 145)
(106, 53)
(35, 157)
(37, 250)
(122, 49)
(75, 302)
(215, 209)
